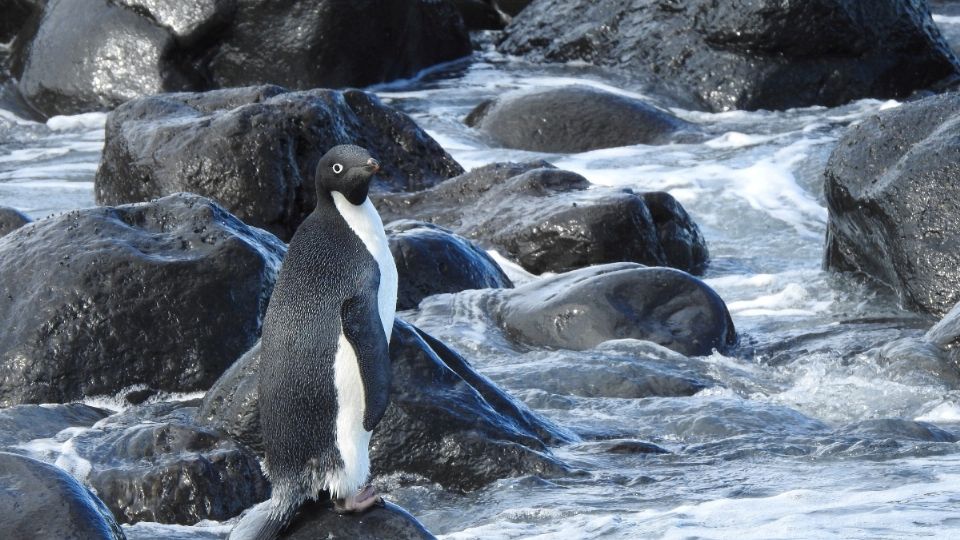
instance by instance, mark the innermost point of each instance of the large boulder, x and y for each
(11, 219)
(891, 190)
(165, 294)
(580, 309)
(254, 150)
(745, 54)
(154, 463)
(111, 51)
(446, 422)
(574, 119)
(39, 501)
(548, 220)
(432, 260)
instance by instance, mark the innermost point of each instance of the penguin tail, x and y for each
(264, 521)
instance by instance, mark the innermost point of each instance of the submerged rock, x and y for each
(745, 54)
(432, 260)
(580, 309)
(23, 423)
(446, 422)
(165, 294)
(40, 501)
(11, 219)
(547, 219)
(154, 463)
(891, 190)
(574, 119)
(254, 150)
(111, 51)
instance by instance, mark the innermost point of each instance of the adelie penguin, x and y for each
(325, 367)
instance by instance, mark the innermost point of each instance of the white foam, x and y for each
(781, 303)
(517, 274)
(946, 19)
(944, 413)
(92, 120)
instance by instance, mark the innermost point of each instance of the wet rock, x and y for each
(11, 219)
(254, 150)
(41, 501)
(621, 446)
(24, 423)
(446, 422)
(745, 54)
(580, 309)
(154, 463)
(165, 294)
(112, 51)
(547, 220)
(16, 14)
(896, 428)
(574, 119)
(387, 522)
(432, 260)
(894, 208)
(480, 14)
(615, 369)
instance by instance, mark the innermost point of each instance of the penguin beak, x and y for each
(372, 166)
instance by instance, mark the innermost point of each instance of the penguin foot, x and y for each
(361, 501)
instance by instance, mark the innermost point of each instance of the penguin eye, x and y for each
(337, 168)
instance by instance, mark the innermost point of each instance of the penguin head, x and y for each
(346, 169)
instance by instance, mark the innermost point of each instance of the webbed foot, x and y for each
(359, 502)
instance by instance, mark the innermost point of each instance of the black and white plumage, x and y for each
(325, 367)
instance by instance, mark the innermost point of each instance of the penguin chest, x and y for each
(365, 222)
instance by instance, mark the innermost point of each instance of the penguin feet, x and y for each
(361, 501)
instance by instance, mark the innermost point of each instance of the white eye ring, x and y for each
(337, 168)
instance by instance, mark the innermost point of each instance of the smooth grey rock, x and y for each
(575, 119)
(580, 309)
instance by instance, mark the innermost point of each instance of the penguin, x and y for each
(325, 367)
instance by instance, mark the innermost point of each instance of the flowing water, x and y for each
(808, 430)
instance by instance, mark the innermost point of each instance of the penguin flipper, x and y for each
(360, 319)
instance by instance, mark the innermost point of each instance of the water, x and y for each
(789, 438)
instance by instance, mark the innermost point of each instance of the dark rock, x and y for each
(432, 260)
(445, 422)
(623, 369)
(254, 150)
(16, 14)
(547, 220)
(40, 501)
(745, 54)
(387, 522)
(154, 463)
(139, 396)
(583, 308)
(480, 14)
(574, 119)
(164, 294)
(11, 219)
(23, 423)
(622, 446)
(894, 208)
(897, 428)
(112, 51)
